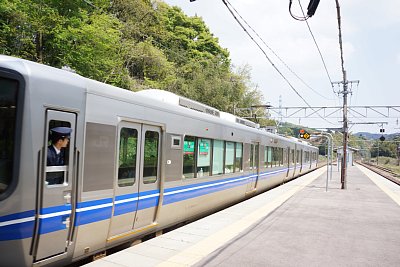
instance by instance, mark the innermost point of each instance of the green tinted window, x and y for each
(239, 157)
(218, 157)
(203, 157)
(150, 171)
(127, 157)
(229, 157)
(188, 156)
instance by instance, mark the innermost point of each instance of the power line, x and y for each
(316, 44)
(280, 59)
(265, 54)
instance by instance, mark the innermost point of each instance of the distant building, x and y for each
(350, 155)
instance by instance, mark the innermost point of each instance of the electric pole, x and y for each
(345, 132)
(345, 92)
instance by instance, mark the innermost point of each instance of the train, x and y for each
(136, 163)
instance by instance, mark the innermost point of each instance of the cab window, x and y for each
(8, 115)
(58, 152)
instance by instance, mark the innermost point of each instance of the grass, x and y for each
(390, 163)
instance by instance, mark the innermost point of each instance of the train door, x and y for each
(294, 160)
(301, 160)
(56, 200)
(149, 187)
(254, 166)
(137, 184)
(126, 185)
(288, 161)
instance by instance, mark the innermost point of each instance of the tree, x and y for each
(386, 149)
(61, 33)
(133, 44)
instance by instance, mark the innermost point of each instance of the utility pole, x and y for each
(345, 132)
(345, 92)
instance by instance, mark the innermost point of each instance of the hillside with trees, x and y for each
(132, 44)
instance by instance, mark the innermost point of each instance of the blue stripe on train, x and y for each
(53, 224)
(17, 231)
(17, 216)
(17, 226)
(176, 194)
(93, 211)
(148, 199)
(129, 204)
(97, 210)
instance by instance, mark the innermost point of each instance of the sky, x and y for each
(371, 52)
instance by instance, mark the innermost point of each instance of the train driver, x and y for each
(59, 140)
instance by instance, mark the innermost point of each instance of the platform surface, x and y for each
(296, 224)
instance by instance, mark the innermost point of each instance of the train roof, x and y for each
(154, 98)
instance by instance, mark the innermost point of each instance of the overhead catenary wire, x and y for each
(269, 60)
(277, 56)
(319, 50)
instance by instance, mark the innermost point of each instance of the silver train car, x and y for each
(136, 163)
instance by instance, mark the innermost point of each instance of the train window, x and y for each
(203, 157)
(283, 156)
(150, 164)
(257, 156)
(239, 157)
(265, 157)
(127, 157)
(251, 156)
(298, 156)
(278, 156)
(274, 156)
(229, 157)
(58, 152)
(8, 115)
(292, 156)
(218, 157)
(189, 146)
(269, 156)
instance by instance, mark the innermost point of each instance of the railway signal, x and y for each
(304, 134)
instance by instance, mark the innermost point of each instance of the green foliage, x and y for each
(133, 44)
(385, 149)
(92, 47)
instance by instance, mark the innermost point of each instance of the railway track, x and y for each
(385, 172)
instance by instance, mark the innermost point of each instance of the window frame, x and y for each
(143, 156)
(14, 75)
(194, 157)
(136, 158)
(241, 168)
(225, 156)
(210, 161)
(213, 157)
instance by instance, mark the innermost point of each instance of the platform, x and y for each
(296, 224)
